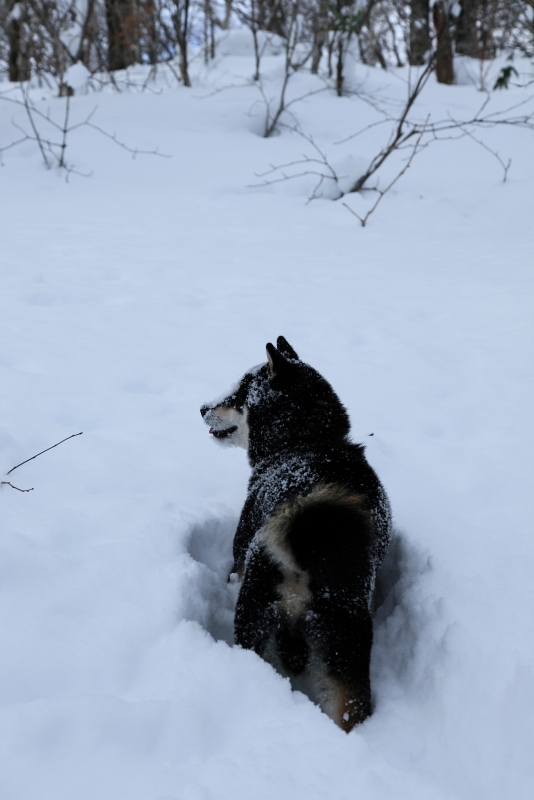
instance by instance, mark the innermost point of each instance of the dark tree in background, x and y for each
(122, 29)
(182, 28)
(466, 29)
(17, 33)
(272, 16)
(420, 42)
(444, 60)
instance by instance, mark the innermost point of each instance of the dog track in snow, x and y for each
(410, 627)
(210, 598)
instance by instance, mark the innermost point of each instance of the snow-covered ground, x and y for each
(130, 297)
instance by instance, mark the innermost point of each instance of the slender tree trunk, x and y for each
(444, 62)
(149, 13)
(181, 29)
(225, 24)
(320, 35)
(86, 24)
(339, 67)
(419, 32)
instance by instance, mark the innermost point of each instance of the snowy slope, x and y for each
(132, 296)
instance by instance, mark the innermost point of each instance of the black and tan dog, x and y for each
(314, 528)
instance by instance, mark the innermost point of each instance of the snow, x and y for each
(239, 42)
(76, 76)
(130, 296)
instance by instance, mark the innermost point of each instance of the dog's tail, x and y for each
(331, 536)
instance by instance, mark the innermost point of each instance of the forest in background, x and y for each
(45, 37)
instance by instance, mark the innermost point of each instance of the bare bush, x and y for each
(52, 137)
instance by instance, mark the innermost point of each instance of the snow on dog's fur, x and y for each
(314, 528)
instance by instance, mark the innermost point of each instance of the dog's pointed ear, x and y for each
(277, 362)
(285, 348)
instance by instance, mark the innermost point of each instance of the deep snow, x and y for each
(128, 299)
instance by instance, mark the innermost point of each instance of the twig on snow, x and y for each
(7, 483)
(39, 454)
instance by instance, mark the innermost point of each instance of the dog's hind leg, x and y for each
(331, 538)
(343, 707)
(342, 639)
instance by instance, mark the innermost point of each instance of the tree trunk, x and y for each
(19, 61)
(374, 51)
(444, 63)
(320, 35)
(181, 29)
(122, 29)
(225, 24)
(339, 67)
(419, 32)
(466, 29)
(271, 17)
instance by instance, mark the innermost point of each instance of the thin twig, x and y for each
(29, 110)
(41, 453)
(7, 483)
(65, 133)
(134, 151)
(505, 166)
(220, 89)
(305, 160)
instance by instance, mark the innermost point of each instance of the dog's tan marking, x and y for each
(222, 416)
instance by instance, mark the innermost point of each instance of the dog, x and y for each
(314, 528)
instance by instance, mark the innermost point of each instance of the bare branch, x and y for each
(7, 483)
(37, 137)
(57, 149)
(134, 151)
(400, 134)
(328, 172)
(40, 454)
(382, 192)
(505, 166)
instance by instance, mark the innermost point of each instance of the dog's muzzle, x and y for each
(216, 423)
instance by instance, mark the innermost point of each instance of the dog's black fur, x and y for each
(314, 528)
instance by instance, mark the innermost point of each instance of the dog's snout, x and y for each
(204, 410)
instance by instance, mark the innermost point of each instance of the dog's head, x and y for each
(279, 403)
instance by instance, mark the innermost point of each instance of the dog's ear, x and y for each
(278, 365)
(285, 348)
